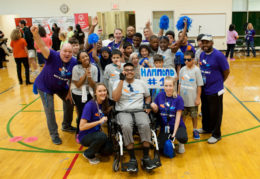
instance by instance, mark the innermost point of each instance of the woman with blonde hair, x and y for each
(250, 33)
(169, 105)
(20, 53)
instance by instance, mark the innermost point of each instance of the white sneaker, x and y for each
(201, 131)
(181, 148)
(92, 161)
(213, 140)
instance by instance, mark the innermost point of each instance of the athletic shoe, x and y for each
(148, 164)
(92, 161)
(201, 131)
(232, 59)
(132, 166)
(213, 140)
(69, 129)
(196, 135)
(181, 148)
(56, 140)
(77, 139)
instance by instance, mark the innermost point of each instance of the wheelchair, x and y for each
(116, 135)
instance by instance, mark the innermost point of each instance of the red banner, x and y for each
(82, 20)
(27, 20)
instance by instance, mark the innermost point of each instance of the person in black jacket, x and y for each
(55, 37)
(79, 34)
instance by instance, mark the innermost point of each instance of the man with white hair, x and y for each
(55, 79)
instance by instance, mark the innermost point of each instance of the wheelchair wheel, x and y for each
(116, 163)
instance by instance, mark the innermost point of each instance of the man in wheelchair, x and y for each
(129, 94)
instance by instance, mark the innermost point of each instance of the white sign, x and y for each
(154, 77)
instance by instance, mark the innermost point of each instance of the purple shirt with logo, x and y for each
(55, 75)
(168, 107)
(250, 35)
(212, 67)
(91, 114)
(187, 47)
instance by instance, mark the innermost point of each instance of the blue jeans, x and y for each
(250, 44)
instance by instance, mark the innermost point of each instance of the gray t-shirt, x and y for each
(132, 97)
(77, 72)
(189, 80)
(111, 75)
(197, 55)
(168, 57)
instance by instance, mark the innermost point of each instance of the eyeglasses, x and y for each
(187, 59)
(129, 70)
(130, 87)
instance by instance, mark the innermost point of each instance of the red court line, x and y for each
(72, 164)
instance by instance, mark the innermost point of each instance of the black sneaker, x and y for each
(56, 140)
(132, 166)
(69, 129)
(148, 164)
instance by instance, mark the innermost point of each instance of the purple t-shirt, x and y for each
(250, 35)
(91, 114)
(187, 47)
(168, 106)
(113, 45)
(232, 37)
(212, 67)
(56, 74)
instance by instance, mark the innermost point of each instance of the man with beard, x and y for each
(130, 31)
(55, 78)
(215, 70)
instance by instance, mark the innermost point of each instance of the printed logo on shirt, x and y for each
(162, 106)
(96, 114)
(189, 47)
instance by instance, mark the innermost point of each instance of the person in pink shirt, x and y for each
(47, 40)
(232, 37)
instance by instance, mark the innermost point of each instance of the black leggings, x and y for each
(97, 142)
(19, 62)
(181, 136)
(230, 48)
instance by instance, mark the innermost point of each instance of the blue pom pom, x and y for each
(179, 58)
(93, 38)
(35, 89)
(164, 22)
(168, 150)
(180, 24)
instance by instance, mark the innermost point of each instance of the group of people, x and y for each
(232, 37)
(96, 78)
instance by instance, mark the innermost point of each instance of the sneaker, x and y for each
(132, 166)
(232, 59)
(148, 164)
(201, 131)
(213, 140)
(69, 129)
(196, 135)
(77, 139)
(92, 161)
(56, 140)
(181, 148)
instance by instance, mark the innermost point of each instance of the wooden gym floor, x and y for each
(237, 155)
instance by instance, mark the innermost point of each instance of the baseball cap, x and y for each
(207, 37)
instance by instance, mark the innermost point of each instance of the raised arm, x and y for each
(92, 29)
(94, 53)
(117, 93)
(177, 45)
(39, 42)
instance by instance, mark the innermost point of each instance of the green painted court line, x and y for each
(250, 101)
(42, 150)
(242, 104)
(22, 104)
(40, 111)
(7, 90)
